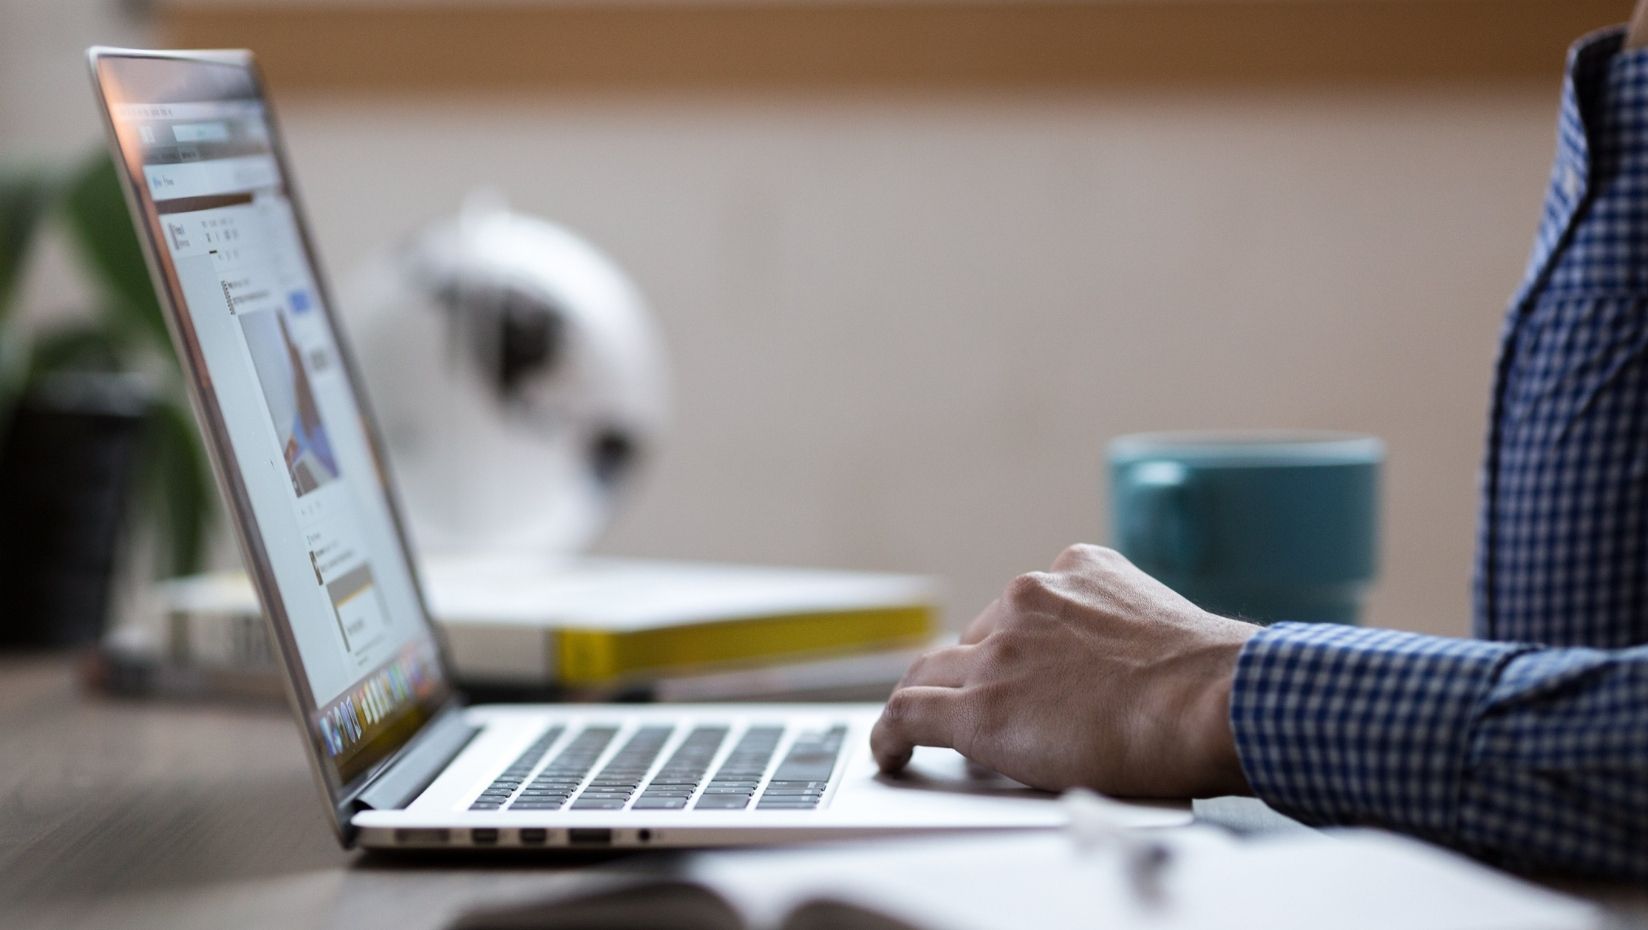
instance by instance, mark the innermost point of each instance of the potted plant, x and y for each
(95, 433)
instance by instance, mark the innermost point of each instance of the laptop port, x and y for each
(534, 836)
(422, 836)
(484, 836)
(589, 836)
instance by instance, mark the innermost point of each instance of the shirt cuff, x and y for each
(1341, 725)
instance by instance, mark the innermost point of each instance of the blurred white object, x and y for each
(518, 377)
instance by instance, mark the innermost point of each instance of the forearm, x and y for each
(1532, 757)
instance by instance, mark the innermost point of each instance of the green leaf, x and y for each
(76, 347)
(24, 195)
(178, 487)
(96, 212)
(14, 367)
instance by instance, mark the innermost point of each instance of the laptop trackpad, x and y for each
(948, 771)
(940, 773)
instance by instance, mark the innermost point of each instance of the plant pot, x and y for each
(67, 462)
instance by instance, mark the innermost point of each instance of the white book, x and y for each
(598, 622)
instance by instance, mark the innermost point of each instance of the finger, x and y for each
(983, 625)
(918, 716)
(942, 668)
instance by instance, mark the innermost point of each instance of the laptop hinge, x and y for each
(417, 765)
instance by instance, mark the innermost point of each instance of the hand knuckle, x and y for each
(918, 669)
(900, 707)
(921, 663)
(1004, 648)
(1030, 589)
(1080, 552)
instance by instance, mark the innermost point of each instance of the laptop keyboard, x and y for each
(562, 776)
(505, 785)
(802, 777)
(678, 780)
(740, 774)
(611, 789)
(798, 783)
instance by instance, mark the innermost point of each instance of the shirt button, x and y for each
(1570, 182)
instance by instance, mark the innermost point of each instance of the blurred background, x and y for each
(916, 262)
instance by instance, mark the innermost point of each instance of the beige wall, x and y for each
(904, 327)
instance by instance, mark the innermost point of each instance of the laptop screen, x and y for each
(278, 401)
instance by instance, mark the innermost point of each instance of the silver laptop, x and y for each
(401, 760)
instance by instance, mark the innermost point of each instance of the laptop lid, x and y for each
(278, 400)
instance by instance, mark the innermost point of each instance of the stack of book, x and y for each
(583, 629)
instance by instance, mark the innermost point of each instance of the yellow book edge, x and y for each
(599, 657)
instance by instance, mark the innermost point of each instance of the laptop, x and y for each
(400, 758)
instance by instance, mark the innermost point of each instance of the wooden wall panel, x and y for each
(854, 46)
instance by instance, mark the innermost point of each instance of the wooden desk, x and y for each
(131, 814)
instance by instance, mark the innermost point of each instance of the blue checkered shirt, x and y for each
(1529, 745)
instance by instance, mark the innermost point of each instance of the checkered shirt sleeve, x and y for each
(1534, 756)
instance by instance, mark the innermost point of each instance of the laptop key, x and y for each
(801, 778)
(563, 773)
(612, 787)
(812, 756)
(680, 775)
(510, 778)
(722, 802)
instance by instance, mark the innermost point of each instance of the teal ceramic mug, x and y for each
(1265, 526)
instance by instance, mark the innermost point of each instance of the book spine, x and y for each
(597, 657)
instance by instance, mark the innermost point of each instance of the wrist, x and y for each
(1211, 737)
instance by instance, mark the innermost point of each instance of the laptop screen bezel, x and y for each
(233, 75)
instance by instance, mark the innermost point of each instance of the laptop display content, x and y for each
(259, 337)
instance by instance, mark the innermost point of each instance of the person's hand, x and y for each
(1093, 675)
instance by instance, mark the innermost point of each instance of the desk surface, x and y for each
(161, 814)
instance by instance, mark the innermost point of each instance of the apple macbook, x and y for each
(400, 759)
